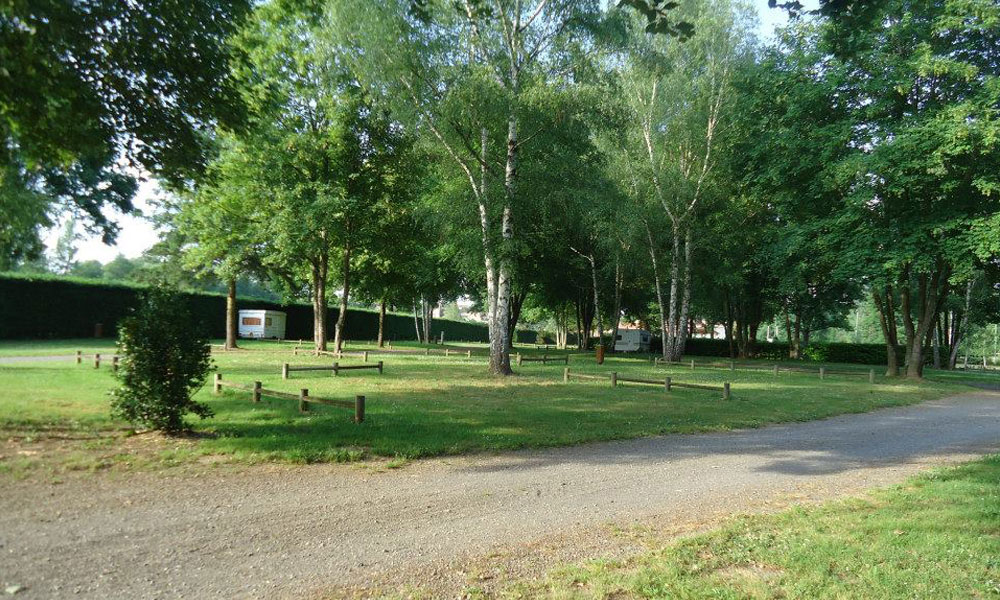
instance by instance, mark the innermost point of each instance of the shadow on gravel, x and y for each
(899, 435)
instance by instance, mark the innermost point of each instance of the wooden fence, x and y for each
(544, 359)
(303, 397)
(336, 368)
(774, 368)
(97, 360)
(667, 383)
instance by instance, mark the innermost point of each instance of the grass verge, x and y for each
(936, 536)
(425, 406)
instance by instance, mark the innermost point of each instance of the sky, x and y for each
(137, 234)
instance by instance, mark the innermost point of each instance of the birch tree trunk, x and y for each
(416, 322)
(345, 272)
(665, 351)
(618, 301)
(680, 339)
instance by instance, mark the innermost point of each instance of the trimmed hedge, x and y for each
(864, 354)
(46, 307)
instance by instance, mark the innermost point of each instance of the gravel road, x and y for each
(282, 531)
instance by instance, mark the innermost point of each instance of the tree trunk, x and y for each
(597, 301)
(517, 301)
(427, 312)
(320, 269)
(345, 272)
(618, 301)
(232, 327)
(664, 327)
(680, 339)
(381, 323)
(960, 324)
(887, 321)
(416, 322)
(931, 288)
(672, 325)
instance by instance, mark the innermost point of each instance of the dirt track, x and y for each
(289, 531)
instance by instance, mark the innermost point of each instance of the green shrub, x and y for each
(164, 360)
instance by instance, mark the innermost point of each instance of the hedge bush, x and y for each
(48, 307)
(864, 354)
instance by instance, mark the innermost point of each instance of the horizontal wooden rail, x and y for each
(667, 383)
(544, 359)
(303, 397)
(774, 368)
(335, 367)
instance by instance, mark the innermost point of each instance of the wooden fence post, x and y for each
(725, 391)
(218, 382)
(732, 365)
(566, 359)
(545, 358)
(336, 369)
(97, 361)
(256, 391)
(303, 400)
(468, 354)
(614, 378)
(114, 363)
(666, 384)
(518, 359)
(365, 356)
(359, 409)
(822, 372)
(446, 353)
(427, 351)
(379, 367)
(871, 375)
(566, 375)
(775, 370)
(79, 356)
(284, 371)
(692, 364)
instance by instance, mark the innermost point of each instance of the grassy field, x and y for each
(937, 536)
(426, 406)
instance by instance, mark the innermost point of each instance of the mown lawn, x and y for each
(427, 406)
(937, 536)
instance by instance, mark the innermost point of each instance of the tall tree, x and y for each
(466, 71)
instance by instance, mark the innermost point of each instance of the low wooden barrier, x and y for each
(667, 383)
(545, 359)
(336, 368)
(303, 397)
(774, 368)
(447, 352)
(97, 360)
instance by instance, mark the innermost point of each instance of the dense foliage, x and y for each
(583, 166)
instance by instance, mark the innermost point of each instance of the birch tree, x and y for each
(465, 70)
(678, 93)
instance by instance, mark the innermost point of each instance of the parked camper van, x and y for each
(262, 324)
(632, 340)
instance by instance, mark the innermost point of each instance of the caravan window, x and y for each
(618, 337)
(267, 321)
(252, 321)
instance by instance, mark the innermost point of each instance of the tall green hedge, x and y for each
(46, 307)
(865, 354)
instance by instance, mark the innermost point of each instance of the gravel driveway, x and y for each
(283, 531)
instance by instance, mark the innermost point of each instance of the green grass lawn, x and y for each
(937, 536)
(427, 406)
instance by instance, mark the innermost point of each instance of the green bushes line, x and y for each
(864, 354)
(46, 307)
